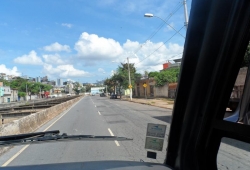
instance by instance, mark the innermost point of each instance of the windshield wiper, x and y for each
(52, 136)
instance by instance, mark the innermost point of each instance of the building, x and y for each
(96, 90)
(44, 79)
(31, 79)
(175, 63)
(38, 79)
(69, 88)
(8, 95)
(3, 76)
(59, 82)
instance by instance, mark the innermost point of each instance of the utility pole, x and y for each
(129, 79)
(106, 91)
(26, 92)
(40, 92)
(185, 13)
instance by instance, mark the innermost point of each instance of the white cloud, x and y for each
(90, 46)
(57, 47)
(101, 70)
(53, 59)
(151, 55)
(67, 25)
(64, 71)
(9, 71)
(31, 59)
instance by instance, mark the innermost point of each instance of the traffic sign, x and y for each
(130, 86)
(154, 143)
(156, 130)
(144, 85)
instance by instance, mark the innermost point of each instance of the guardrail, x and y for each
(14, 104)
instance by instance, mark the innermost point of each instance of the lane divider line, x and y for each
(95, 105)
(16, 155)
(99, 113)
(26, 146)
(111, 133)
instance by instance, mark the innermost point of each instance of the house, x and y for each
(145, 87)
(8, 95)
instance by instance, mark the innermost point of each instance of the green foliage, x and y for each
(21, 94)
(88, 88)
(246, 60)
(77, 87)
(153, 74)
(32, 87)
(121, 78)
(169, 75)
(5, 82)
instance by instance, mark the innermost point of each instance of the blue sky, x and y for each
(85, 40)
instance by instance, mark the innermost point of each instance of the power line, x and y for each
(160, 62)
(161, 45)
(160, 26)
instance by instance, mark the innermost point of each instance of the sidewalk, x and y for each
(158, 102)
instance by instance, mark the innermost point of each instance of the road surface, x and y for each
(94, 115)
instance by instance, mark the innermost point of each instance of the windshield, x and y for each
(97, 68)
(106, 52)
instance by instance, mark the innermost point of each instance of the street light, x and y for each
(148, 15)
(185, 14)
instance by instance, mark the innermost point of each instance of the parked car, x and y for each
(102, 95)
(113, 96)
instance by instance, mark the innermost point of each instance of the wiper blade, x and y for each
(27, 135)
(52, 136)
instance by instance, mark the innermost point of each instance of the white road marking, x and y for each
(99, 113)
(16, 155)
(95, 105)
(26, 146)
(111, 133)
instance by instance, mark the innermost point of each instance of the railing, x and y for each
(20, 103)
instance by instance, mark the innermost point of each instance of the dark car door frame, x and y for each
(216, 40)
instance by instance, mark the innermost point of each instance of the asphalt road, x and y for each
(94, 115)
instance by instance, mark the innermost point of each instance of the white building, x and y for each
(38, 79)
(96, 90)
(59, 82)
(8, 95)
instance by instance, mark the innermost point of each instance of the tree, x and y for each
(169, 75)
(88, 88)
(246, 60)
(145, 73)
(153, 74)
(77, 88)
(21, 94)
(120, 79)
(5, 82)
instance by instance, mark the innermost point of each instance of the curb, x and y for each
(149, 104)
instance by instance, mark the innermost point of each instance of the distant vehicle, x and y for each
(92, 94)
(102, 95)
(52, 96)
(69, 94)
(113, 96)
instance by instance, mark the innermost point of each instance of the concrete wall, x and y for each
(161, 91)
(32, 122)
